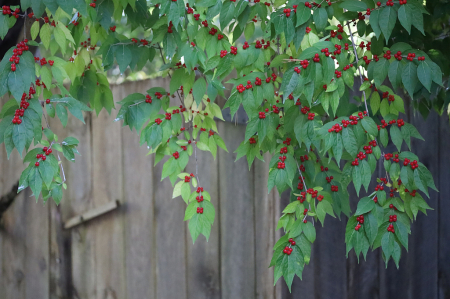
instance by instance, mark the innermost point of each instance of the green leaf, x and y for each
(35, 181)
(375, 102)
(370, 126)
(303, 14)
(374, 22)
(349, 141)
(226, 14)
(199, 90)
(365, 205)
(396, 136)
(309, 231)
(366, 174)
(387, 19)
(380, 71)
(405, 16)
(320, 18)
(424, 74)
(289, 83)
(62, 113)
(123, 56)
(370, 227)
(353, 5)
(409, 78)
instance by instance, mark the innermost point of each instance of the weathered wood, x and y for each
(203, 257)
(264, 229)
(91, 214)
(108, 184)
(237, 220)
(170, 235)
(138, 207)
(443, 185)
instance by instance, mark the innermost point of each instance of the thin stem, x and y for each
(359, 69)
(164, 61)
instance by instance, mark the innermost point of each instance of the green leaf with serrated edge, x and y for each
(424, 74)
(320, 18)
(290, 81)
(409, 78)
(396, 136)
(402, 233)
(374, 22)
(387, 19)
(365, 205)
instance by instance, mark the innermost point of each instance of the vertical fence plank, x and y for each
(264, 229)
(12, 227)
(170, 231)
(203, 258)
(442, 181)
(236, 216)
(138, 208)
(108, 186)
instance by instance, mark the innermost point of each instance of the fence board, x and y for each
(138, 206)
(236, 216)
(107, 181)
(203, 258)
(443, 209)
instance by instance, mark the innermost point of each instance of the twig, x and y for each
(359, 69)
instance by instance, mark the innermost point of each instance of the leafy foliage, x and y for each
(292, 66)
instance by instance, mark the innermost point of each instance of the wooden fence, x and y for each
(143, 249)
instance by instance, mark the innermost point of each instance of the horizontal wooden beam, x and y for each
(93, 213)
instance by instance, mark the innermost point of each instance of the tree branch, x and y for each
(7, 199)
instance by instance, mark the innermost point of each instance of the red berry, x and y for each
(47, 101)
(36, 164)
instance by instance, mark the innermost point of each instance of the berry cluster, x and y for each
(252, 140)
(43, 157)
(334, 188)
(281, 165)
(199, 189)
(169, 29)
(205, 23)
(398, 55)
(338, 50)
(304, 158)
(319, 197)
(390, 228)
(338, 73)
(307, 4)
(199, 198)
(300, 185)
(197, 16)
(287, 12)
(297, 70)
(17, 52)
(223, 53)
(308, 29)
(305, 110)
(311, 116)
(199, 210)
(391, 192)
(368, 149)
(312, 192)
(360, 156)
(324, 169)
(328, 178)
(316, 58)
(233, 50)
(168, 116)
(245, 46)
(158, 121)
(176, 155)
(379, 187)
(148, 99)
(302, 197)
(390, 3)
(274, 77)
(287, 250)
(336, 128)
(304, 63)
(262, 115)
(360, 220)
(410, 56)
(212, 31)
(420, 58)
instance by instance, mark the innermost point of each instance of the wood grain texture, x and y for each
(109, 232)
(203, 257)
(237, 220)
(443, 185)
(138, 208)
